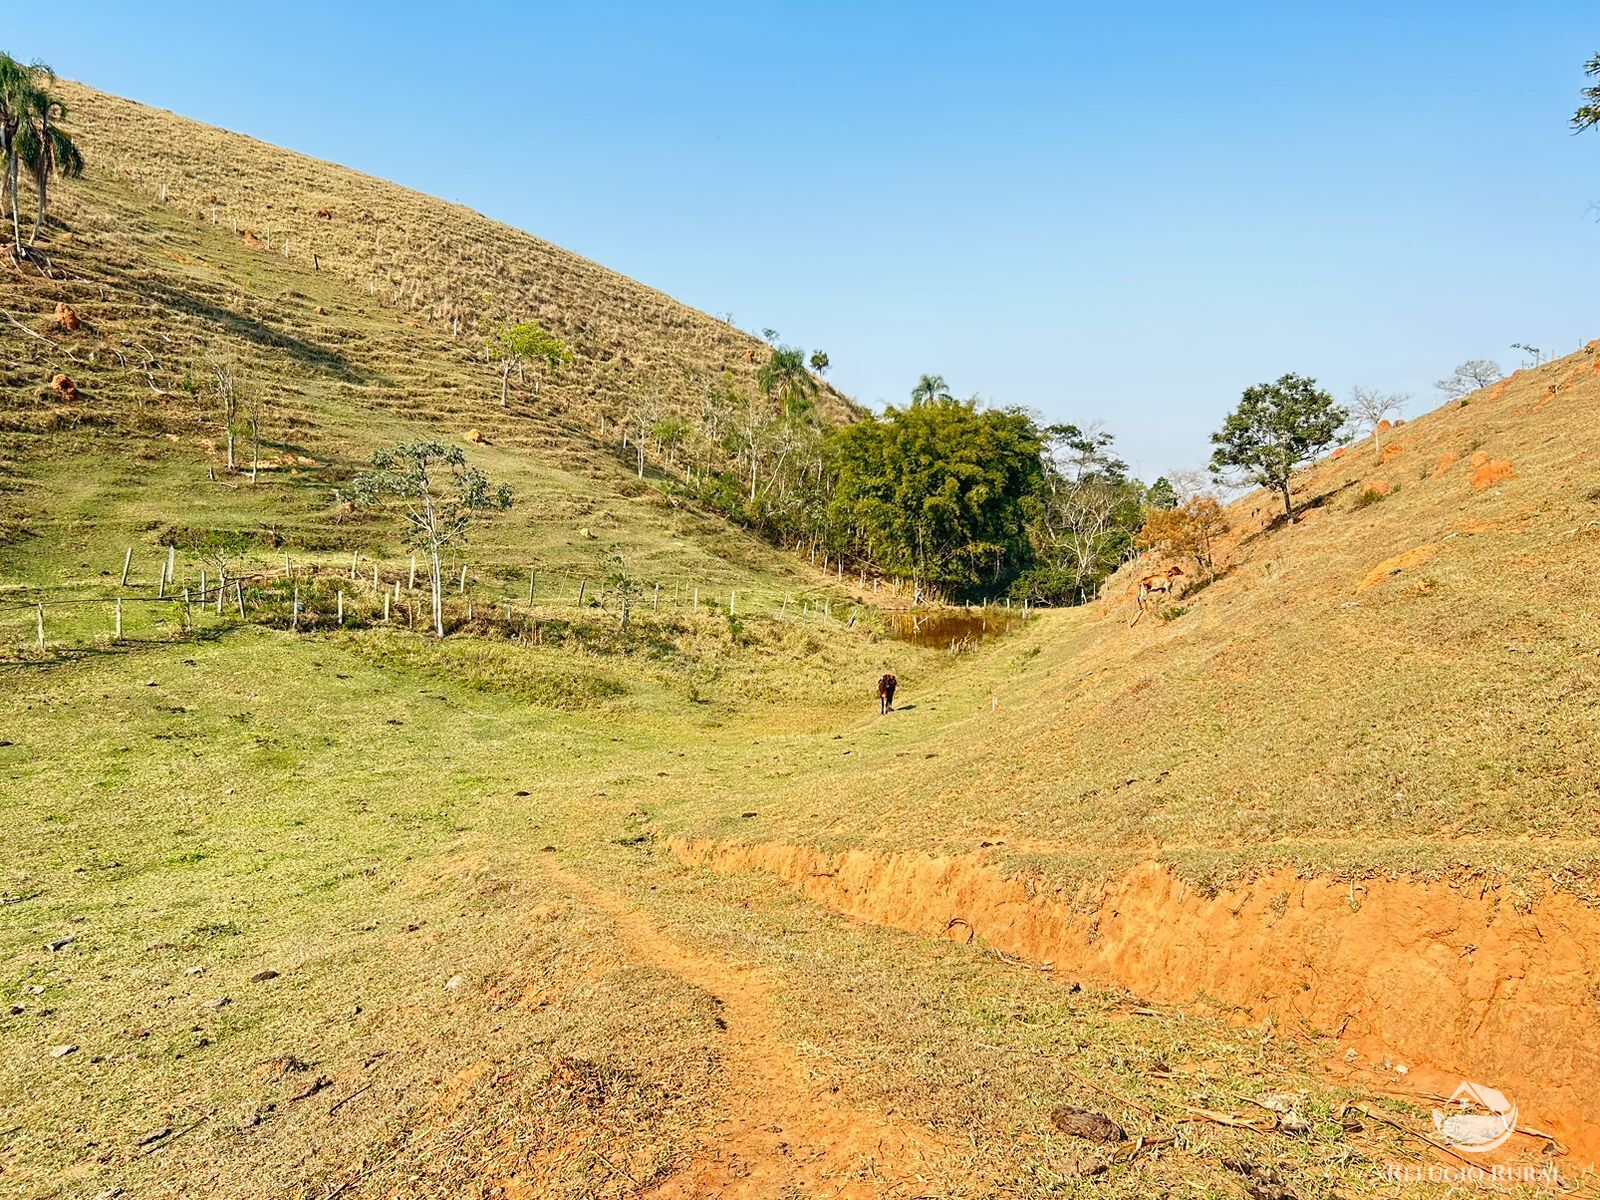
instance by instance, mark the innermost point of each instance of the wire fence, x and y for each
(189, 599)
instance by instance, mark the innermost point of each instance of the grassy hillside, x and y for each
(442, 265)
(1403, 679)
(345, 911)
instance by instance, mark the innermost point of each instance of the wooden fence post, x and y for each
(172, 566)
(119, 618)
(696, 600)
(732, 597)
(386, 606)
(238, 595)
(581, 588)
(127, 562)
(411, 582)
(341, 606)
(294, 611)
(41, 628)
(202, 585)
(462, 586)
(655, 604)
(355, 558)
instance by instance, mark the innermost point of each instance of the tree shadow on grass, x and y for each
(160, 294)
(1281, 520)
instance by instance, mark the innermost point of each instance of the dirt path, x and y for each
(783, 1134)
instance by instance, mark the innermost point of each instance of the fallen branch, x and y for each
(170, 1138)
(340, 1104)
(1411, 1133)
(33, 333)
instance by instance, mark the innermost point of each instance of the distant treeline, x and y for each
(957, 499)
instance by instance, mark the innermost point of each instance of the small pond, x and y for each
(946, 627)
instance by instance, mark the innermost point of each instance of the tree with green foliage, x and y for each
(44, 148)
(1276, 427)
(1588, 114)
(527, 341)
(934, 492)
(1161, 495)
(819, 362)
(784, 378)
(931, 389)
(438, 494)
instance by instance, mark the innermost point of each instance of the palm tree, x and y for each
(784, 377)
(46, 149)
(930, 389)
(16, 102)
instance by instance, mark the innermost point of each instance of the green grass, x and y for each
(372, 830)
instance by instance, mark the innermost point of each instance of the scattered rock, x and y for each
(109, 1194)
(252, 241)
(61, 943)
(67, 318)
(219, 1002)
(63, 1051)
(155, 1135)
(1392, 451)
(324, 214)
(585, 534)
(547, 849)
(195, 970)
(1087, 1124)
(263, 976)
(748, 815)
(17, 1010)
(454, 983)
(320, 311)
(65, 388)
(1446, 460)
(473, 436)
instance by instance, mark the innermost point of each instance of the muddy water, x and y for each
(942, 627)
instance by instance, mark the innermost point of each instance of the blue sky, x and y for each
(1124, 213)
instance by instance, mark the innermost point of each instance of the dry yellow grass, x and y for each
(435, 263)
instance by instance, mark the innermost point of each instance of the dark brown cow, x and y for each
(886, 687)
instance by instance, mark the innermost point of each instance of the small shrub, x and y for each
(1368, 497)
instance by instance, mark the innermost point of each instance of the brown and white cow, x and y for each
(1163, 583)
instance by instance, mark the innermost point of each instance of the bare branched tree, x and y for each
(1370, 409)
(1471, 375)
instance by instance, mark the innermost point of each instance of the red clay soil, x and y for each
(783, 1132)
(1460, 983)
